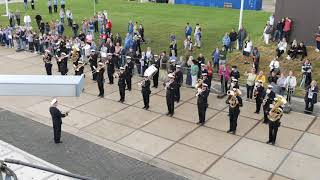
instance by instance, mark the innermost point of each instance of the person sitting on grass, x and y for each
(282, 47)
(274, 66)
(247, 50)
(302, 51)
(292, 52)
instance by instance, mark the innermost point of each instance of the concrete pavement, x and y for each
(176, 144)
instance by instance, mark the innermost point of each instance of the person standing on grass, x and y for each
(55, 6)
(25, 3)
(50, 6)
(197, 36)
(242, 35)
(287, 28)
(32, 4)
(18, 17)
(62, 15)
(247, 50)
(223, 56)
(318, 39)
(267, 33)
(256, 58)
(188, 30)
(233, 38)
(63, 4)
(226, 41)
(215, 59)
(194, 72)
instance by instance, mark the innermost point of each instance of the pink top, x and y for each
(287, 25)
(225, 72)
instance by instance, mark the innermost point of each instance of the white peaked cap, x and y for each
(53, 101)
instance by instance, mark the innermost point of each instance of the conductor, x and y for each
(56, 116)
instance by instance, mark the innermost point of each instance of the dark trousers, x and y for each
(265, 113)
(50, 9)
(56, 132)
(156, 80)
(128, 82)
(101, 88)
(202, 113)
(309, 105)
(48, 67)
(110, 77)
(55, 8)
(146, 99)
(177, 94)
(94, 74)
(170, 104)
(18, 22)
(209, 82)
(250, 91)
(258, 104)
(122, 92)
(279, 52)
(233, 118)
(273, 130)
(318, 42)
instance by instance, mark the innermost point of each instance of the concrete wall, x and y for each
(305, 15)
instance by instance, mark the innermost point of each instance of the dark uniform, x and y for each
(93, 60)
(56, 120)
(122, 86)
(100, 81)
(146, 93)
(156, 75)
(178, 80)
(234, 114)
(48, 64)
(129, 73)
(110, 69)
(266, 106)
(64, 66)
(260, 93)
(170, 88)
(273, 130)
(202, 103)
(79, 69)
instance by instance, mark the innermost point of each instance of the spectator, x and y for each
(226, 42)
(267, 33)
(293, 50)
(274, 66)
(69, 17)
(307, 73)
(271, 20)
(200, 61)
(11, 19)
(32, 4)
(197, 35)
(281, 84)
(209, 74)
(302, 51)
(256, 58)
(261, 77)
(63, 4)
(242, 35)
(25, 3)
(234, 74)
(50, 6)
(188, 30)
(272, 79)
(224, 73)
(38, 20)
(188, 43)
(251, 77)
(130, 27)
(223, 56)
(27, 21)
(215, 59)
(55, 6)
(189, 77)
(141, 32)
(287, 28)
(290, 83)
(311, 97)
(277, 36)
(282, 47)
(60, 28)
(17, 17)
(75, 28)
(194, 73)
(233, 38)
(247, 50)
(173, 48)
(62, 15)
(318, 40)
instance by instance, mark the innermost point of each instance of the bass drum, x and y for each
(150, 71)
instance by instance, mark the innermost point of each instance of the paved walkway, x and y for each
(176, 144)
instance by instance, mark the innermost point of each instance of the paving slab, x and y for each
(157, 104)
(22, 55)
(286, 137)
(21, 101)
(108, 130)
(189, 112)
(185, 93)
(137, 87)
(42, 108)
(92, 88)
(33, 70)
(299, 166)
(248, 110)
(134, 117)
(278, 177)
(102, 107)
(131, 97)
(221, 122)
(77, 101)
(197, 160)
(213, 101)
(315, 128)
(296, 120)
(79, 119)
(309, 144)
(210, 140)
(145, 142)
(227, 169)
(257, 154)
(27, 173)
(169, 128)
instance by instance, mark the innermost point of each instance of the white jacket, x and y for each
(26, 19)
(274, 65)
(291, 82)
(282, 46)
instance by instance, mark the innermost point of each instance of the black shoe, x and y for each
(58, 142)
(229, 131)
(147, 107)
(233, 132)
(257, 112)
(268, 142)
(201, 124)
(144, 107)
(198, 123)
(119, 100)
(171, 115)
(273, 143)
(168, 114)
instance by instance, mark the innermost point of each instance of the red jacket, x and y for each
(109, 25)
(287, 25)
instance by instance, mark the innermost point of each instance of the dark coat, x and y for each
(56, 116)
(315, 94)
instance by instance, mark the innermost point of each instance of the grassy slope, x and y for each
(161, 20)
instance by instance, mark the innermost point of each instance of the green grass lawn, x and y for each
(161, 20)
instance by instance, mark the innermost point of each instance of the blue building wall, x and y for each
(248, 4)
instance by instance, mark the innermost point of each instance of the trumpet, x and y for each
(97, 69)
(142, 83)
(46, 58)
(77, 68)
(199, 84)
(59, 59)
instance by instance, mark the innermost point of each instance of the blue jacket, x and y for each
(226, 41)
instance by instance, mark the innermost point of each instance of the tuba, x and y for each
(233, 101)
(199, 84)
(276, 112)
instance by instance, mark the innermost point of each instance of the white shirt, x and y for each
(249, 47)
(274, 64)
(282, 45)
(271, 20)
(26, 19)
(291, 82)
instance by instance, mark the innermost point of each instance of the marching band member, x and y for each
(56, 116)
(179, 80)
(202, 103)
(234, 84)
(47, 57)
(110, 67)
(129, 72)
(93, 60)
(156, 75)
(78, 69)
(235, 102)
(274, 116)
(100, 78)
(170, 87)
(122, 85)
(145, 90)
(267, 101)
(259, 95)
(63, 63)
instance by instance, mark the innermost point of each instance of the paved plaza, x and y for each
(175, 144)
